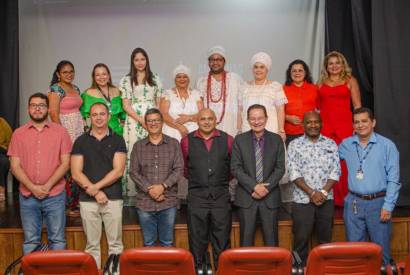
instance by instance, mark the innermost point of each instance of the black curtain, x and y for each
(9, 57)
(375, 38)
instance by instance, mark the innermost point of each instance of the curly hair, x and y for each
(346, 70)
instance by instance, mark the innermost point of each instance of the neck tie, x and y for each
(259, 164)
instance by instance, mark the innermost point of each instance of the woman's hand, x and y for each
(182, 130)
(182, 119)
(295, 120)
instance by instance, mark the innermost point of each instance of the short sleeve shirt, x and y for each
(98, 158)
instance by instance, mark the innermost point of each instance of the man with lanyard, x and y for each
(373, 165)
(207, 155)
(220, 90)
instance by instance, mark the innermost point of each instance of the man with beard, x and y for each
(314, 167)
(207, 154)
(220, 90)
(39, 158)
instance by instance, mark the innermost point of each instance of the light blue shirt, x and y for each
(381, 171)
(315, 162)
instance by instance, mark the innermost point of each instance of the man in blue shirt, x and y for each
(373, 164)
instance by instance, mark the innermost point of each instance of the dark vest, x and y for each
(208, 172)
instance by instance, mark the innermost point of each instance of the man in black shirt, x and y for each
(97, 165)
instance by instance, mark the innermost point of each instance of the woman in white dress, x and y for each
(180, 105)
(140, 91)
(265, 92)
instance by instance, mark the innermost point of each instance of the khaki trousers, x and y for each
(93, 215)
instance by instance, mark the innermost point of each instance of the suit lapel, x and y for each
(268, 152)
(251, 154)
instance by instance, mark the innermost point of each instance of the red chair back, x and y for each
(358, 258)
(59, 262)
(255, 261)
(157, 260)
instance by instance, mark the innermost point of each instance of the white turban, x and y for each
(262, 57)
(182, 69)
(217, 50)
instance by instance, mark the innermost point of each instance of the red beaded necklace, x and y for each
(223, 94)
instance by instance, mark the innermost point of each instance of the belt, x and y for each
(369, 196)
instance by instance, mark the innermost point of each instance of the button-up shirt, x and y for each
(39, 152)
(381, 170)
(156, 164)
(315, 162)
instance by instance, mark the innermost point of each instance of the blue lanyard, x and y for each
(366, 153)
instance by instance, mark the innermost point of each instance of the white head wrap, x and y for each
(262, 57)
(217, 50)
(182, 69)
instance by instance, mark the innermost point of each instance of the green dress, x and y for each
(115, 107)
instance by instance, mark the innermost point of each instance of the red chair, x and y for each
(404, 267)
(345, 258)
(157, 260)
(59, 262)
(255, 261)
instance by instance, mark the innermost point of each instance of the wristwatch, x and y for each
(324, 192)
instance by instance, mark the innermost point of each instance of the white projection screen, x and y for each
(87, 32)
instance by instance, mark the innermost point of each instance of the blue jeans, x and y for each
(33, 211)
(158, 225)
(366, 219)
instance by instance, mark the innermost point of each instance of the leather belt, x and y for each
(369, 196)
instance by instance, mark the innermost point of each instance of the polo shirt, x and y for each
(98, 158)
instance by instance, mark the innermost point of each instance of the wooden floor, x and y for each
(11, 234)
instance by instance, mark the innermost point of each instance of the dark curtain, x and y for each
(391, 59)
(9, 52)
(348, 30)
(375, 38)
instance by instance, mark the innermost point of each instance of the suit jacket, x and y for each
(243, 167)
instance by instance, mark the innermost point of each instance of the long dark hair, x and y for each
(100, 65)
(149, 76)
(60, 65)
(308, 76)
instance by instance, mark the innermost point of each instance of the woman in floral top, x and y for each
(141, 90)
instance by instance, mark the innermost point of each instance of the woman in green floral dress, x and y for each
(140, 91)
(103, 91)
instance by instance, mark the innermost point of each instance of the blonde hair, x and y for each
(346, 70)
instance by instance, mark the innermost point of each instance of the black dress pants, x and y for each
(307, 217)
(4, 167)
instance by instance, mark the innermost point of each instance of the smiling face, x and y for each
(101, 76)
(140, 62)
(216, 63)
(99, 116)
(298, 74)
(38, 109)
(206, 121)
(154, 124)
(66, 74)
(181, 81)
(312, 124)
(334, 66)
(260, 71)
(363, 125)
(257, 120)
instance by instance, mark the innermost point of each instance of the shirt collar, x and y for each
(165, 139)
(30, 124)
(373, 138)
(215, 133)
(262, 138)
(303, 85)
(306, 139)
(109, 133)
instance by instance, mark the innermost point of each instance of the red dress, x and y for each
(334, 105)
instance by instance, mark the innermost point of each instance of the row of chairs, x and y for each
(335, 258)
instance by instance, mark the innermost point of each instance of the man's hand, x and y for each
(92, 190)
(101, 198)
(38, 191)
(385, 215)
(46, 187)
(160, 198)
(156, 190)
(318, 198)
(261, 190)
(256, 196)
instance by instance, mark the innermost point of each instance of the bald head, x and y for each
(207, 112)
(311, 114)
(206, 121)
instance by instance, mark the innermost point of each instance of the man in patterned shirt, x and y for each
(314, 167)
(156, 167)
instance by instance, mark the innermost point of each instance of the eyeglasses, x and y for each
(153, 121)
(40, 106)
(214, 60)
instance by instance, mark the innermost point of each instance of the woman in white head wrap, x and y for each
(265, 92)
(180, 105)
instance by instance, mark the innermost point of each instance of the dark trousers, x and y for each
(247, 224)
(306, 217)
(4, 167)
(209, 224)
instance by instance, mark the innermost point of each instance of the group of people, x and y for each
(147, 139)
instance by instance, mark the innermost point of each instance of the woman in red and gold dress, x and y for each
(338, 89)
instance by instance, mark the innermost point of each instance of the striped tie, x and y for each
(259, 164)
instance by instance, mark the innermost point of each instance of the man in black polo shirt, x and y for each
(97, 165)
(207, 154)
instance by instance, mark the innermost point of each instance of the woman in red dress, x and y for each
(337, 90)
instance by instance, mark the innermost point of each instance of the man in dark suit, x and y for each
(258, 163)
